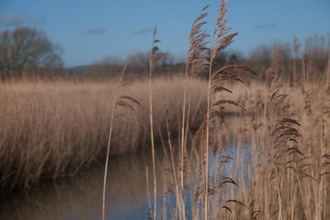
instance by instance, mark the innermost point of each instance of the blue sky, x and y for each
(89, 31)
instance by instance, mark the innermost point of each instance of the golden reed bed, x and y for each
(276, 129)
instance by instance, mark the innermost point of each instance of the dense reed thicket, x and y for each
(272, 163)
(53, 129)
(281, 166)
(258, 150)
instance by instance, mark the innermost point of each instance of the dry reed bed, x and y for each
(282, 170)
(282, 140)
(53, 129)
(294, 185)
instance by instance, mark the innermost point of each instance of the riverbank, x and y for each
(54, 129)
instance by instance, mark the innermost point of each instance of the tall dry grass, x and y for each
(53, 129)
(275, 155)
(281, 147)
(210, 131)
(268, 159)
(282, 174)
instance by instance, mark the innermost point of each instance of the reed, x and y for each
(155, 55)
(258, 151)
(195, 65)
(282, 169)
(52, 130)
(123, 101)
(40, 120)
(219, 42)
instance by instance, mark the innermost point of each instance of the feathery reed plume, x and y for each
(282, 131)
(281, 128)
(254, 215)
(220, 41)
(155, 55)
(122, 101)
(195, 64)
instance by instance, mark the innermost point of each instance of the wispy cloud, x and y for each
(142, 31)
(15, 20)
(95, 31)
(265, 26)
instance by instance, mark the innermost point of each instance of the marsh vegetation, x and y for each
(246, 140)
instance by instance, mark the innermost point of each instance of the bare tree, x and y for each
(27, 46)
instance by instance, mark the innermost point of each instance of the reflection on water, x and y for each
(81, 197)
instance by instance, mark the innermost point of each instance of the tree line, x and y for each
(27, 51)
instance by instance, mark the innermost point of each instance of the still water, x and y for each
(81, 197)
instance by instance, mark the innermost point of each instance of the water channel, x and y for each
(81, 197)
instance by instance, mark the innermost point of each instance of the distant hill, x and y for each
(77, 69)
